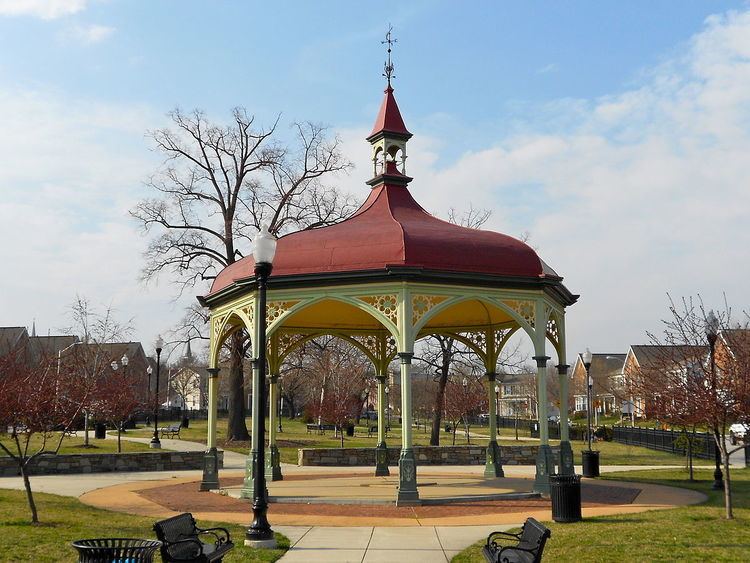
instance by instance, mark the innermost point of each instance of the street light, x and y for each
(149, 371)
(155, 442)
(590, 383)
(712, 332)
(497, 408)
(388, 408)
(260, 534)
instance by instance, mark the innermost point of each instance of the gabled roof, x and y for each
(49, 346)
(11, 337)
(649, 356)
(736, 338)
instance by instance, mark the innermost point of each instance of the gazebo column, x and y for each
(210, 478)
(545, 463)
(493, 466)
(273, 463)
(256, 441)
(407, 463)
(381, 450)
(566, 466)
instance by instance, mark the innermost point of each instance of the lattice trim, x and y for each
(385, 304)
(275, 309)
(249, 311)
(477, 338)
(369, 342)
(421, 305)
(288, 341)
(525, 309)
(500, 335)
(552, 330)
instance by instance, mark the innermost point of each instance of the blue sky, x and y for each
(603, 129)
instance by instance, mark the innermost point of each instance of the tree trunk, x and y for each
(437, 409)
(29, 494)
(468, 436)
(727, 486)
(236, 427)
(292, 408)
(455, 427)
(119, 433)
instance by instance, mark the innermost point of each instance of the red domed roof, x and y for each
(389, 231)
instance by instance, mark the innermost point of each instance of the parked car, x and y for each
(738, 432)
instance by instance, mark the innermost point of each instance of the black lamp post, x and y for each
(155, 442)
(260, 534)
(587, 356)
(387, 407)
(712, 331)
(497, 409)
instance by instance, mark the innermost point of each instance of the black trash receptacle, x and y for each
(100, 431)
(350, 430)
(185, 422)
(565, 493)
(590, 463)
(107, 550)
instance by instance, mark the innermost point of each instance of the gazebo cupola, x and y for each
(389, 137)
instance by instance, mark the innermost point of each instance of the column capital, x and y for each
(381, 379)
(273, 378)
(491, 376)
(213, 372)
(562, 369)
(541, 361)
(406, 357)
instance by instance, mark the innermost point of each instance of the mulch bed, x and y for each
(185, 497)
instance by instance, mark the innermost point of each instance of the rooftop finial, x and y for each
(388, 69)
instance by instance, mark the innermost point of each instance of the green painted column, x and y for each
(210, 478)
(545, 463)
(256, 441)
(273, 462)
(407, 463)
(381, 450)
(493, 466)
(566, 466)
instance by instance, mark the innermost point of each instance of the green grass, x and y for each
(694, 533)
(295, 436)
(74, 445)
(65, 519)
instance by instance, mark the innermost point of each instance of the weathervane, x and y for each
(388, 73)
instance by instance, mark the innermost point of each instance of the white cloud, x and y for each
(91, 34)
(546, 69)
(45, 9)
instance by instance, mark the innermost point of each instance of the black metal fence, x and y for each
(704, 446)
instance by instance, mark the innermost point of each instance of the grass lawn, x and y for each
(695, 533)
(295, 436)
(65, 519)
(74, 445)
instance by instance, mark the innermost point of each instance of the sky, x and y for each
(616, 134)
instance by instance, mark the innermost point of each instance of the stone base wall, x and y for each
(107, 463)
(426, 455)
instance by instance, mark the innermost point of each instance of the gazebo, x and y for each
(381, 280)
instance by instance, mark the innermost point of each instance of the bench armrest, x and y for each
(213, 531)
(515, 548)
(198, 549)
(494, 536)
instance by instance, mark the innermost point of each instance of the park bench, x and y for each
(170, 431)
(320, 428)
(180, 540)
(527, 549)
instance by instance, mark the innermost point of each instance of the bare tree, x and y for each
(699, 373)
(215, 187)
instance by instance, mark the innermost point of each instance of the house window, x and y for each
(580, 403)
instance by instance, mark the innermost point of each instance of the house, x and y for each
(607, 384)
(516, 395)
(188, 387)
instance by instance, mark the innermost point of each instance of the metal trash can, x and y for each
(590, 463)
(565, 492)
(350, 430)
(100, 431)
(185, 422)
(109, 550)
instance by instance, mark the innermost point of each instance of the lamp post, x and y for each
(155, 442)
(497, 407)
(260, 534)
(590, 458)
(149, 371)
(712, 332)
(388, 407)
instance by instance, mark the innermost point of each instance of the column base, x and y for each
(273, 465)
(545, 464)
(247, 484)
(381, 460)
(566, 466)
(493, 467)
(407, 479)
(261, 544)
(210, 479)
